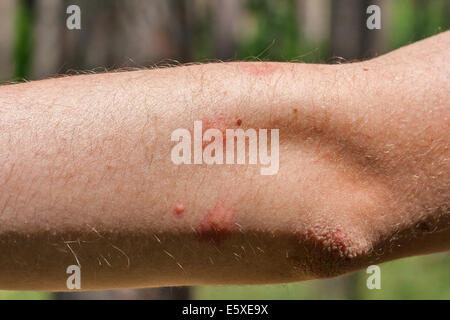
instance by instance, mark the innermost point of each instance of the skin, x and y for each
(87, 178)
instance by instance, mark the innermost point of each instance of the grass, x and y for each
(425, 277)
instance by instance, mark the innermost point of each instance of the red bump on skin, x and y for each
(339, 238)
(179, 209)
(217, 224)
(218, 122)
(221, 123)
(259, 68)
(333, 240)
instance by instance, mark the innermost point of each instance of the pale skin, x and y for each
(363, 178)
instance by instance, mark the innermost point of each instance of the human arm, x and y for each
(88, 177)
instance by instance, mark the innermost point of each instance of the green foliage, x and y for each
(425, 277)
(416, 20)
(275, 31)
(23, 41)
(24, 295)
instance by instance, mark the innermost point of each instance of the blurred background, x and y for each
(35, 43)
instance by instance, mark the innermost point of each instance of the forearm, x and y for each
(89, 177)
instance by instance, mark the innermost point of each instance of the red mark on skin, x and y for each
(221, 123)
(218, 122)
(333, 240)
(259, 68)
(217, 224)
(339, 239)
(179, 209)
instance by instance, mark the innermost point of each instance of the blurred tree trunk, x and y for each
(114, 34)
(314, 20)
(47, 36)
(226, 24)
(7, 14)
(374, 42)
(346, 30)
(181, 23)
(350, 37)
